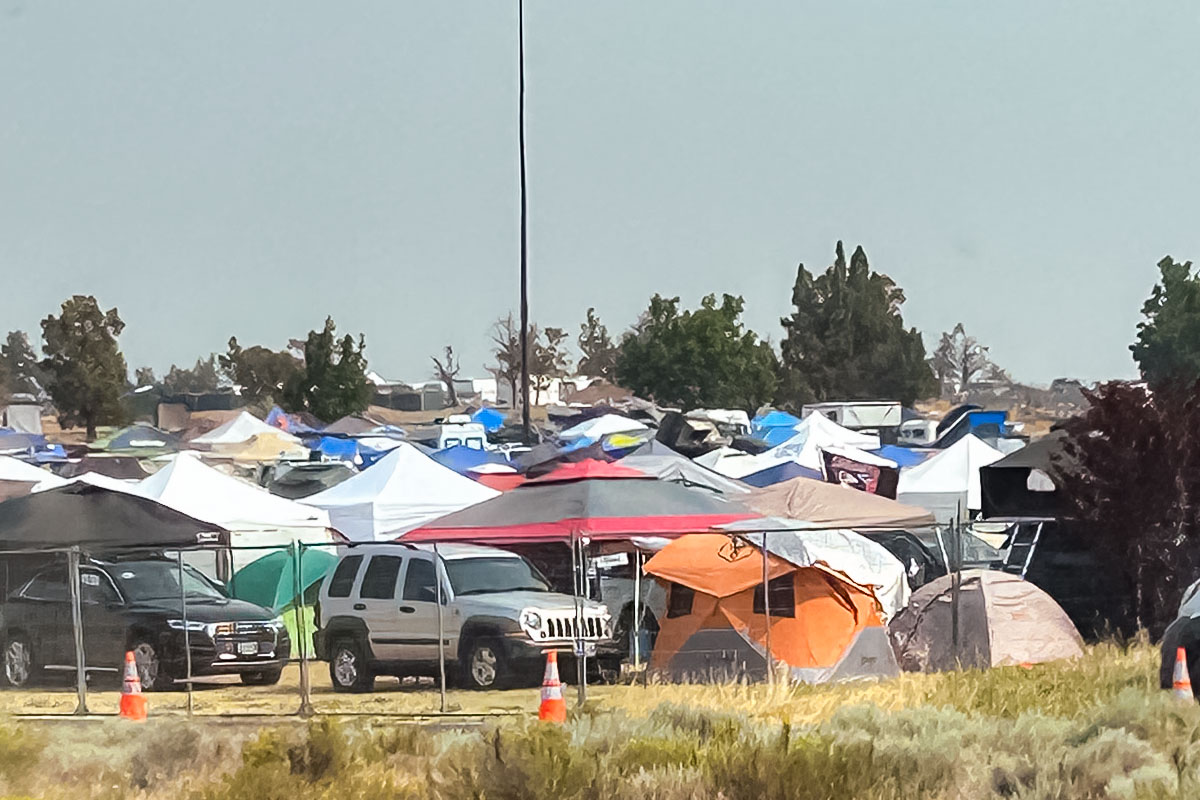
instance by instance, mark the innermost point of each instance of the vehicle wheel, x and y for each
(348, 668)
(152, 672)
(263, 677)
(485, 666)
(18, 662)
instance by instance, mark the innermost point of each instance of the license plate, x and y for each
(247, 648)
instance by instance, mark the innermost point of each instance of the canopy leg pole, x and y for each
(437, 582)
(635, 629)
(306, 707)
(955, 591)
(81, 708)
(580, 657)
(187, 636)
(767, 608)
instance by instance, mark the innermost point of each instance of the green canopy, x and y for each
(271, 580)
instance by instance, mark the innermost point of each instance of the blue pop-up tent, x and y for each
(774, 427)
(903, 456)
(491, 419)
(462, 459)
(779, 473)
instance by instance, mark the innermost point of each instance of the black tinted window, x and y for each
(379, 582)
(418, 581)
(343, 577)
(95, 587)
(783, 597)
(50, 585)
(679, 602)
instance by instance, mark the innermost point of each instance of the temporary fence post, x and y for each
(306, 709)
(187, 634)
(437, 584)
(580, 658)
(767, 608)
(635, 628)
(77, 623)
(955, 590)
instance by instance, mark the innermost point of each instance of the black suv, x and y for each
(134, 605)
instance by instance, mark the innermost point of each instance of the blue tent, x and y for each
(780, 473)
(774, 427)
(336, 447)
(31, 447)
(903, 456)
(491, 419)
(461, 458)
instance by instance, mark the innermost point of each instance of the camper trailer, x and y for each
(860, 415)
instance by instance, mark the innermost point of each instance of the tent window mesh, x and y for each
(783, 597)
(679, 603)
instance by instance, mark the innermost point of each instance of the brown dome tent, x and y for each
(1002, 620)
(822, 625)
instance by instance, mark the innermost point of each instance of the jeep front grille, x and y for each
(570, 627)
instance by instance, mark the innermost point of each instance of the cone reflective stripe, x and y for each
(133, 702)
(553, 707)
(1181, 681)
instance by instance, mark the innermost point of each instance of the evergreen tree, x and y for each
(598, 350)
(333, 380)
(85, 371)
(19, 369)
(846, 339)
(1167, 349)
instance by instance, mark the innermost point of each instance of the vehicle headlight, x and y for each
(180, 625)
(531, 619)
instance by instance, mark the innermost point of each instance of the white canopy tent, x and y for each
(254, 517)
(18, 478)
(240, 429)
(403, 490)
(947, 484)
(815, 433)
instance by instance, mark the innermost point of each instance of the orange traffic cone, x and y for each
(133, 702)
(553, 707)
(1182, 682)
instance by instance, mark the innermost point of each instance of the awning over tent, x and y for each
(829, 505)
(948, 483)
(586, 499)
(405, 489)
(240, 429)
(80, 513)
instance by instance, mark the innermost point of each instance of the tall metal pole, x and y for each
(187, 637)
(306, 706)
(526, 427)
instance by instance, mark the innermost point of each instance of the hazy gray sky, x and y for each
(246, 168)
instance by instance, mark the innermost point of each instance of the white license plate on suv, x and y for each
(247, 648)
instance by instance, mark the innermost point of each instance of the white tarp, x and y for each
(948, 483)
(14, 469)
(860, 559)
(814, 434)
(602, 426)
(403, 490)
(240, 429)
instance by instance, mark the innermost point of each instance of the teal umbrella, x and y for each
(271, 580)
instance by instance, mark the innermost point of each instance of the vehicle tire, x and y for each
(152, 672)
(485, 666)
(19, 665)
(262, 677)
(348, 667)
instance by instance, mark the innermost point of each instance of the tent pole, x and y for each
(306, 708)
(437, 583)
(767, 608)
(187, 638)
(955, 591)
(77, 623)
(526, 425)
(580, 662)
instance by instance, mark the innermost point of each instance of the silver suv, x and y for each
(378, 615)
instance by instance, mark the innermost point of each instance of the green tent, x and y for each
(271, 580)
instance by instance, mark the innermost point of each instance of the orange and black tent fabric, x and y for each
(822, 625)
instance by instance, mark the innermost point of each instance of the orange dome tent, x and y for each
(822, 625)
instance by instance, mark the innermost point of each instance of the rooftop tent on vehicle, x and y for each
(823, 626)
(1022, 484)
(1003, 620)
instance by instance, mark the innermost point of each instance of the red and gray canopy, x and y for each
(590, 499)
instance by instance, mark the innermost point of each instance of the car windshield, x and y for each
(159, 580)
(489, 575)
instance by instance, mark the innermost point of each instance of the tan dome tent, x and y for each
(1003, 620)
